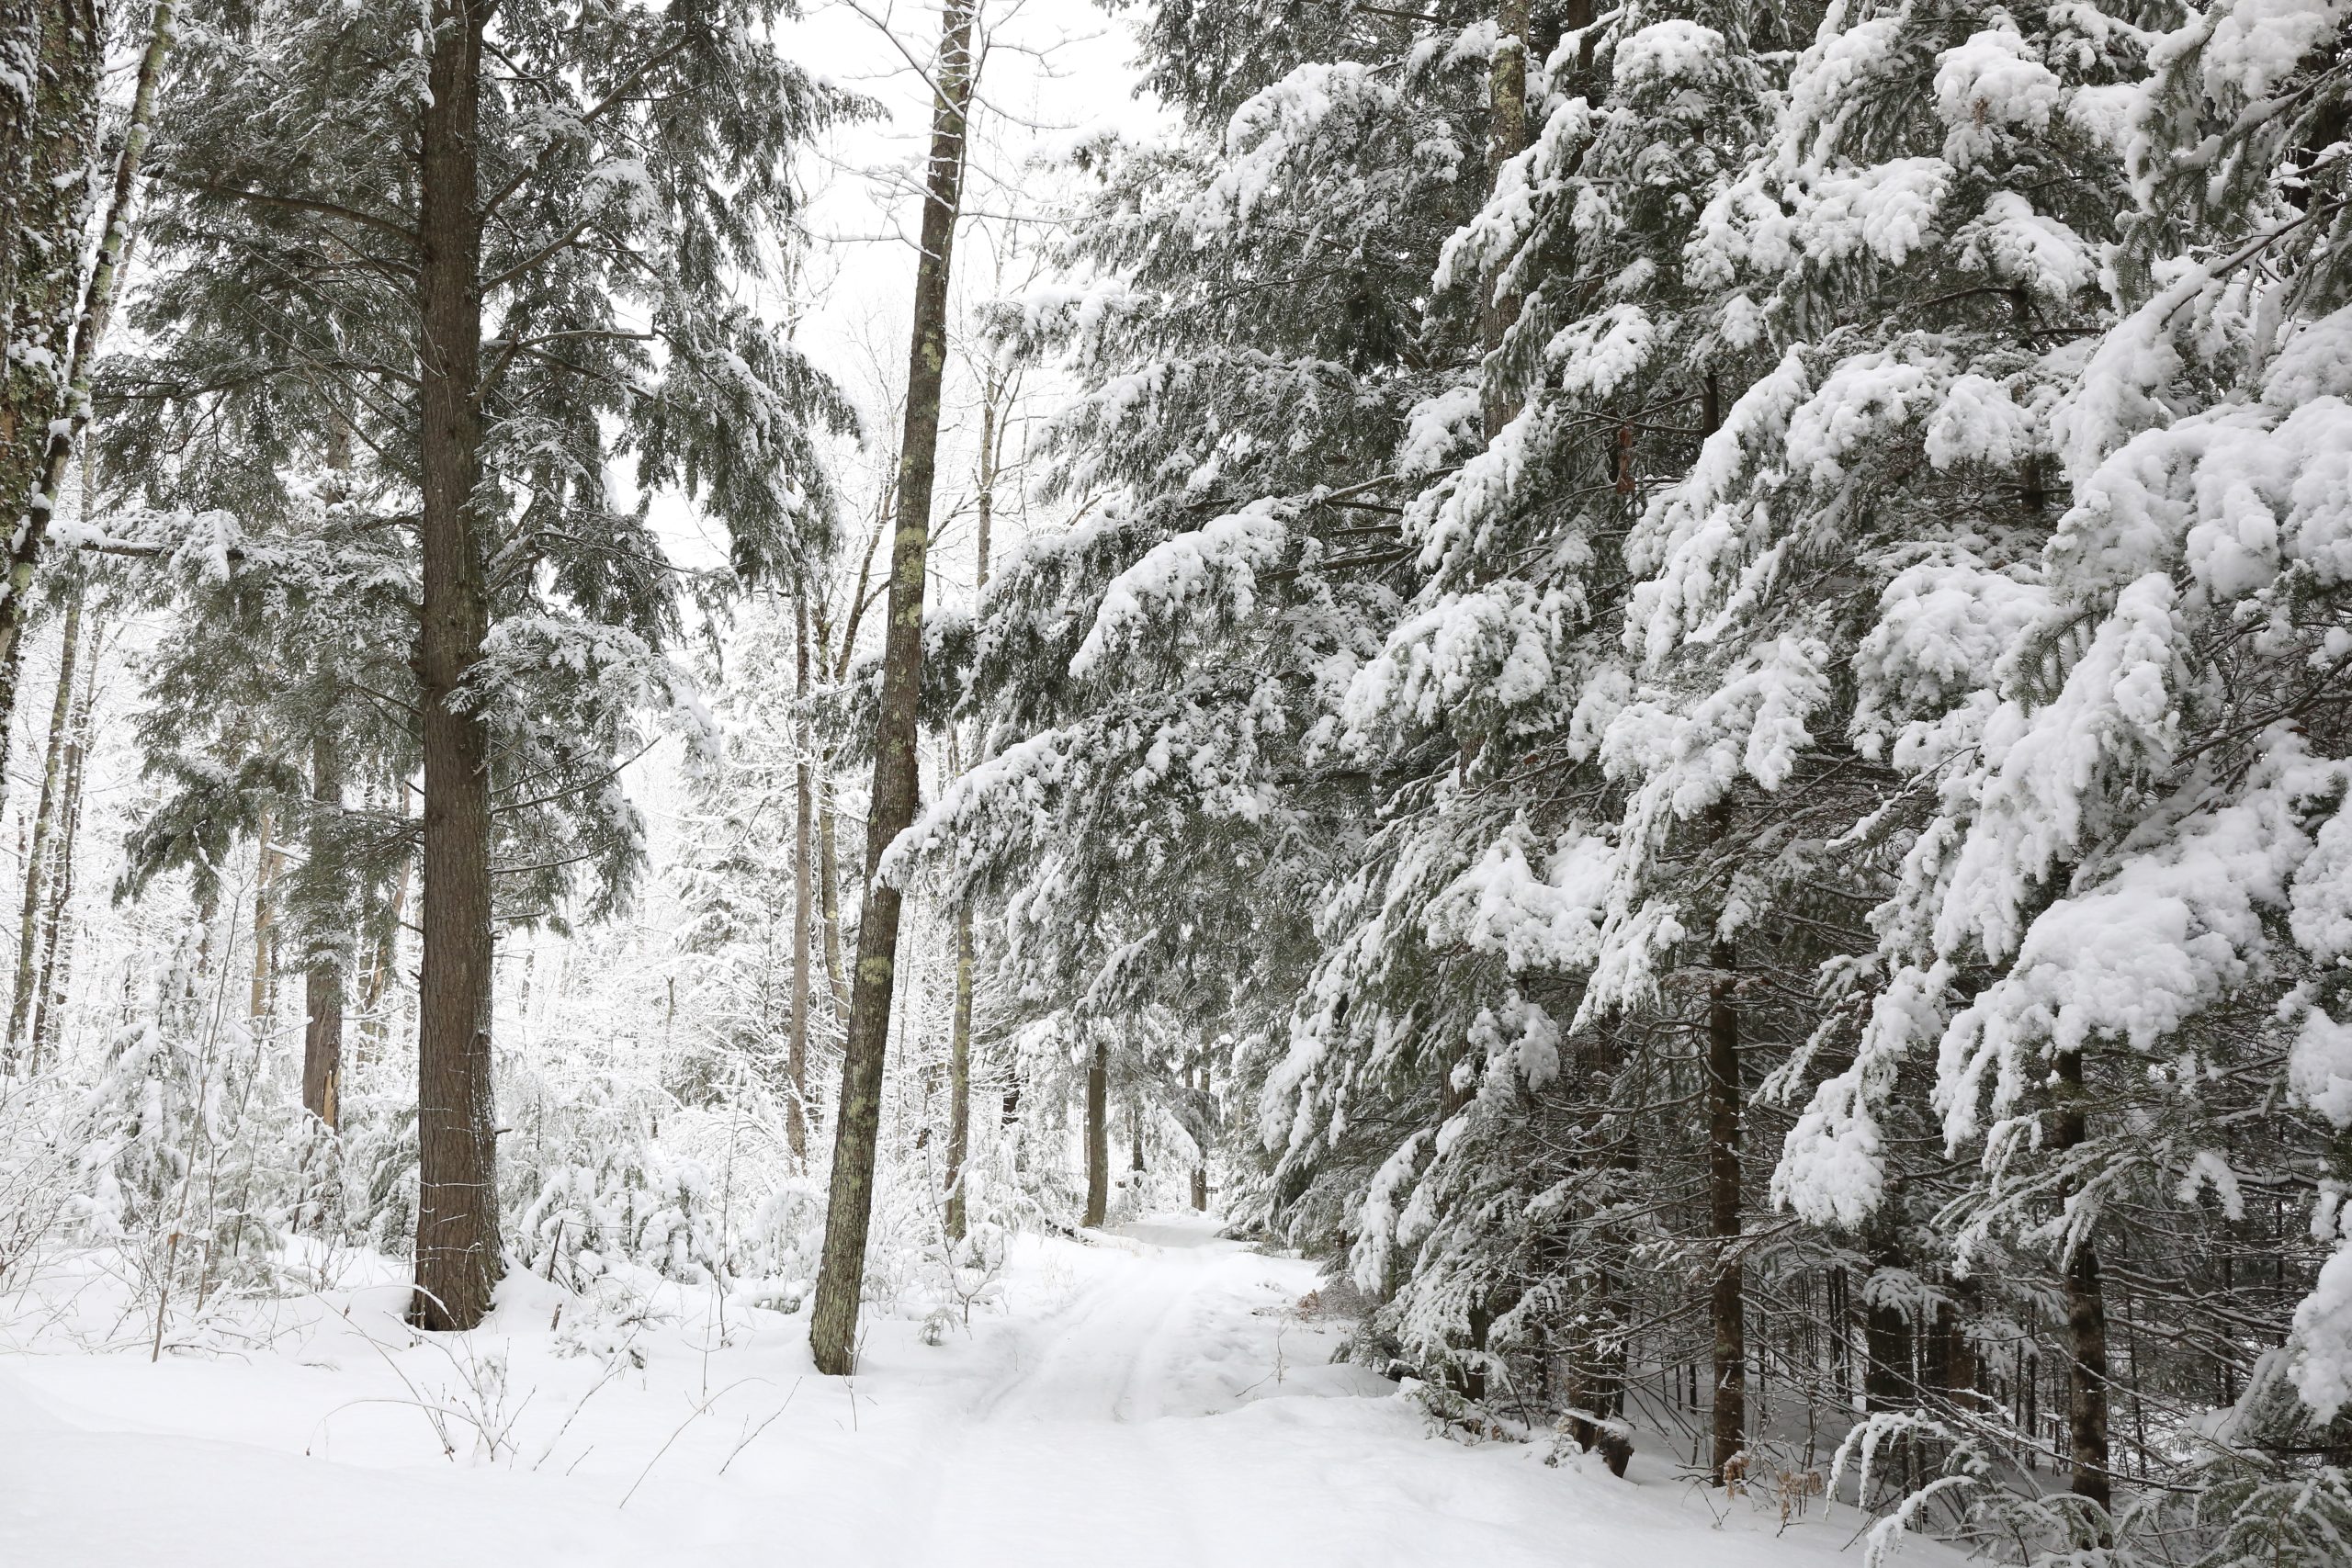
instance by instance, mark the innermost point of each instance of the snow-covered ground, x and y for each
(1150, 1396)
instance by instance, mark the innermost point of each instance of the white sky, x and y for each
(1050, 69)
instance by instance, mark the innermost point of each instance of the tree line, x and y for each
(1691, 703)
(1701, 652)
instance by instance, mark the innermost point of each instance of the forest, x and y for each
(1195, 781)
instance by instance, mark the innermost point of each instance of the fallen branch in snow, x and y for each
(692, 1417)
(763, 1426)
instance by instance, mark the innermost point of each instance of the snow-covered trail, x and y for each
(1151, 1398)
(1115, 1354)
(1175, 1413)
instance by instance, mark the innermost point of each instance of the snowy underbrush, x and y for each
(2271, 1492)
(175, 1172)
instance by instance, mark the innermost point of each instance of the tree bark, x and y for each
(829, 894)
(266, 859)
(457, 1222)
(832, 1329)
(2086, 1395)
(323, 975)
(797, 1062)
(1886, 1342)
(388, 944)
(57, 956)
(1098, 1135)
(1198, 1081)
(61, 713)
(959, 1076)
(960, 1046)
(46, 402)
(1728, 1305)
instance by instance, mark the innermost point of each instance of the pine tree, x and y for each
(498, 280)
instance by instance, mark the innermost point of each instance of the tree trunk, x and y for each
(2086, 1412)
(959, 1047)
(1506, 138)
(959, 1076)
(1098, 1135)
(797, 1062)
(1952, 1369)
(1886, 1341)
(265, 862)
(832, 1329)
(1135, 1134)
(57, 957)
(829, 894)
(45, 406)
(323, 975)
(1198, 1085)
(61, 713)
(387, 943)
(456, 1222)
(1728, 1304)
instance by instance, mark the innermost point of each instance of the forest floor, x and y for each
(1152, 1395)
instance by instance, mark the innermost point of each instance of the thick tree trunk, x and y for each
(1728, 1305)
(45, 401)
(457, 1222)
(322, 975)
(20, 28)
(803, 801)
(1098, 1135)
(60, 713)
(57, 956)
(2086, 1395)
(832, 1329)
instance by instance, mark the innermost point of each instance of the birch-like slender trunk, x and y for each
(797, 1063)
(267, 859)
(959, 1076)
(832, 1329)
(57, 954)
(829, 894)
(45, 407)
(959, 1048)
(61, 713)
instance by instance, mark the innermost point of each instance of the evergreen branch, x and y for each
(553, 248)
(299, 204)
